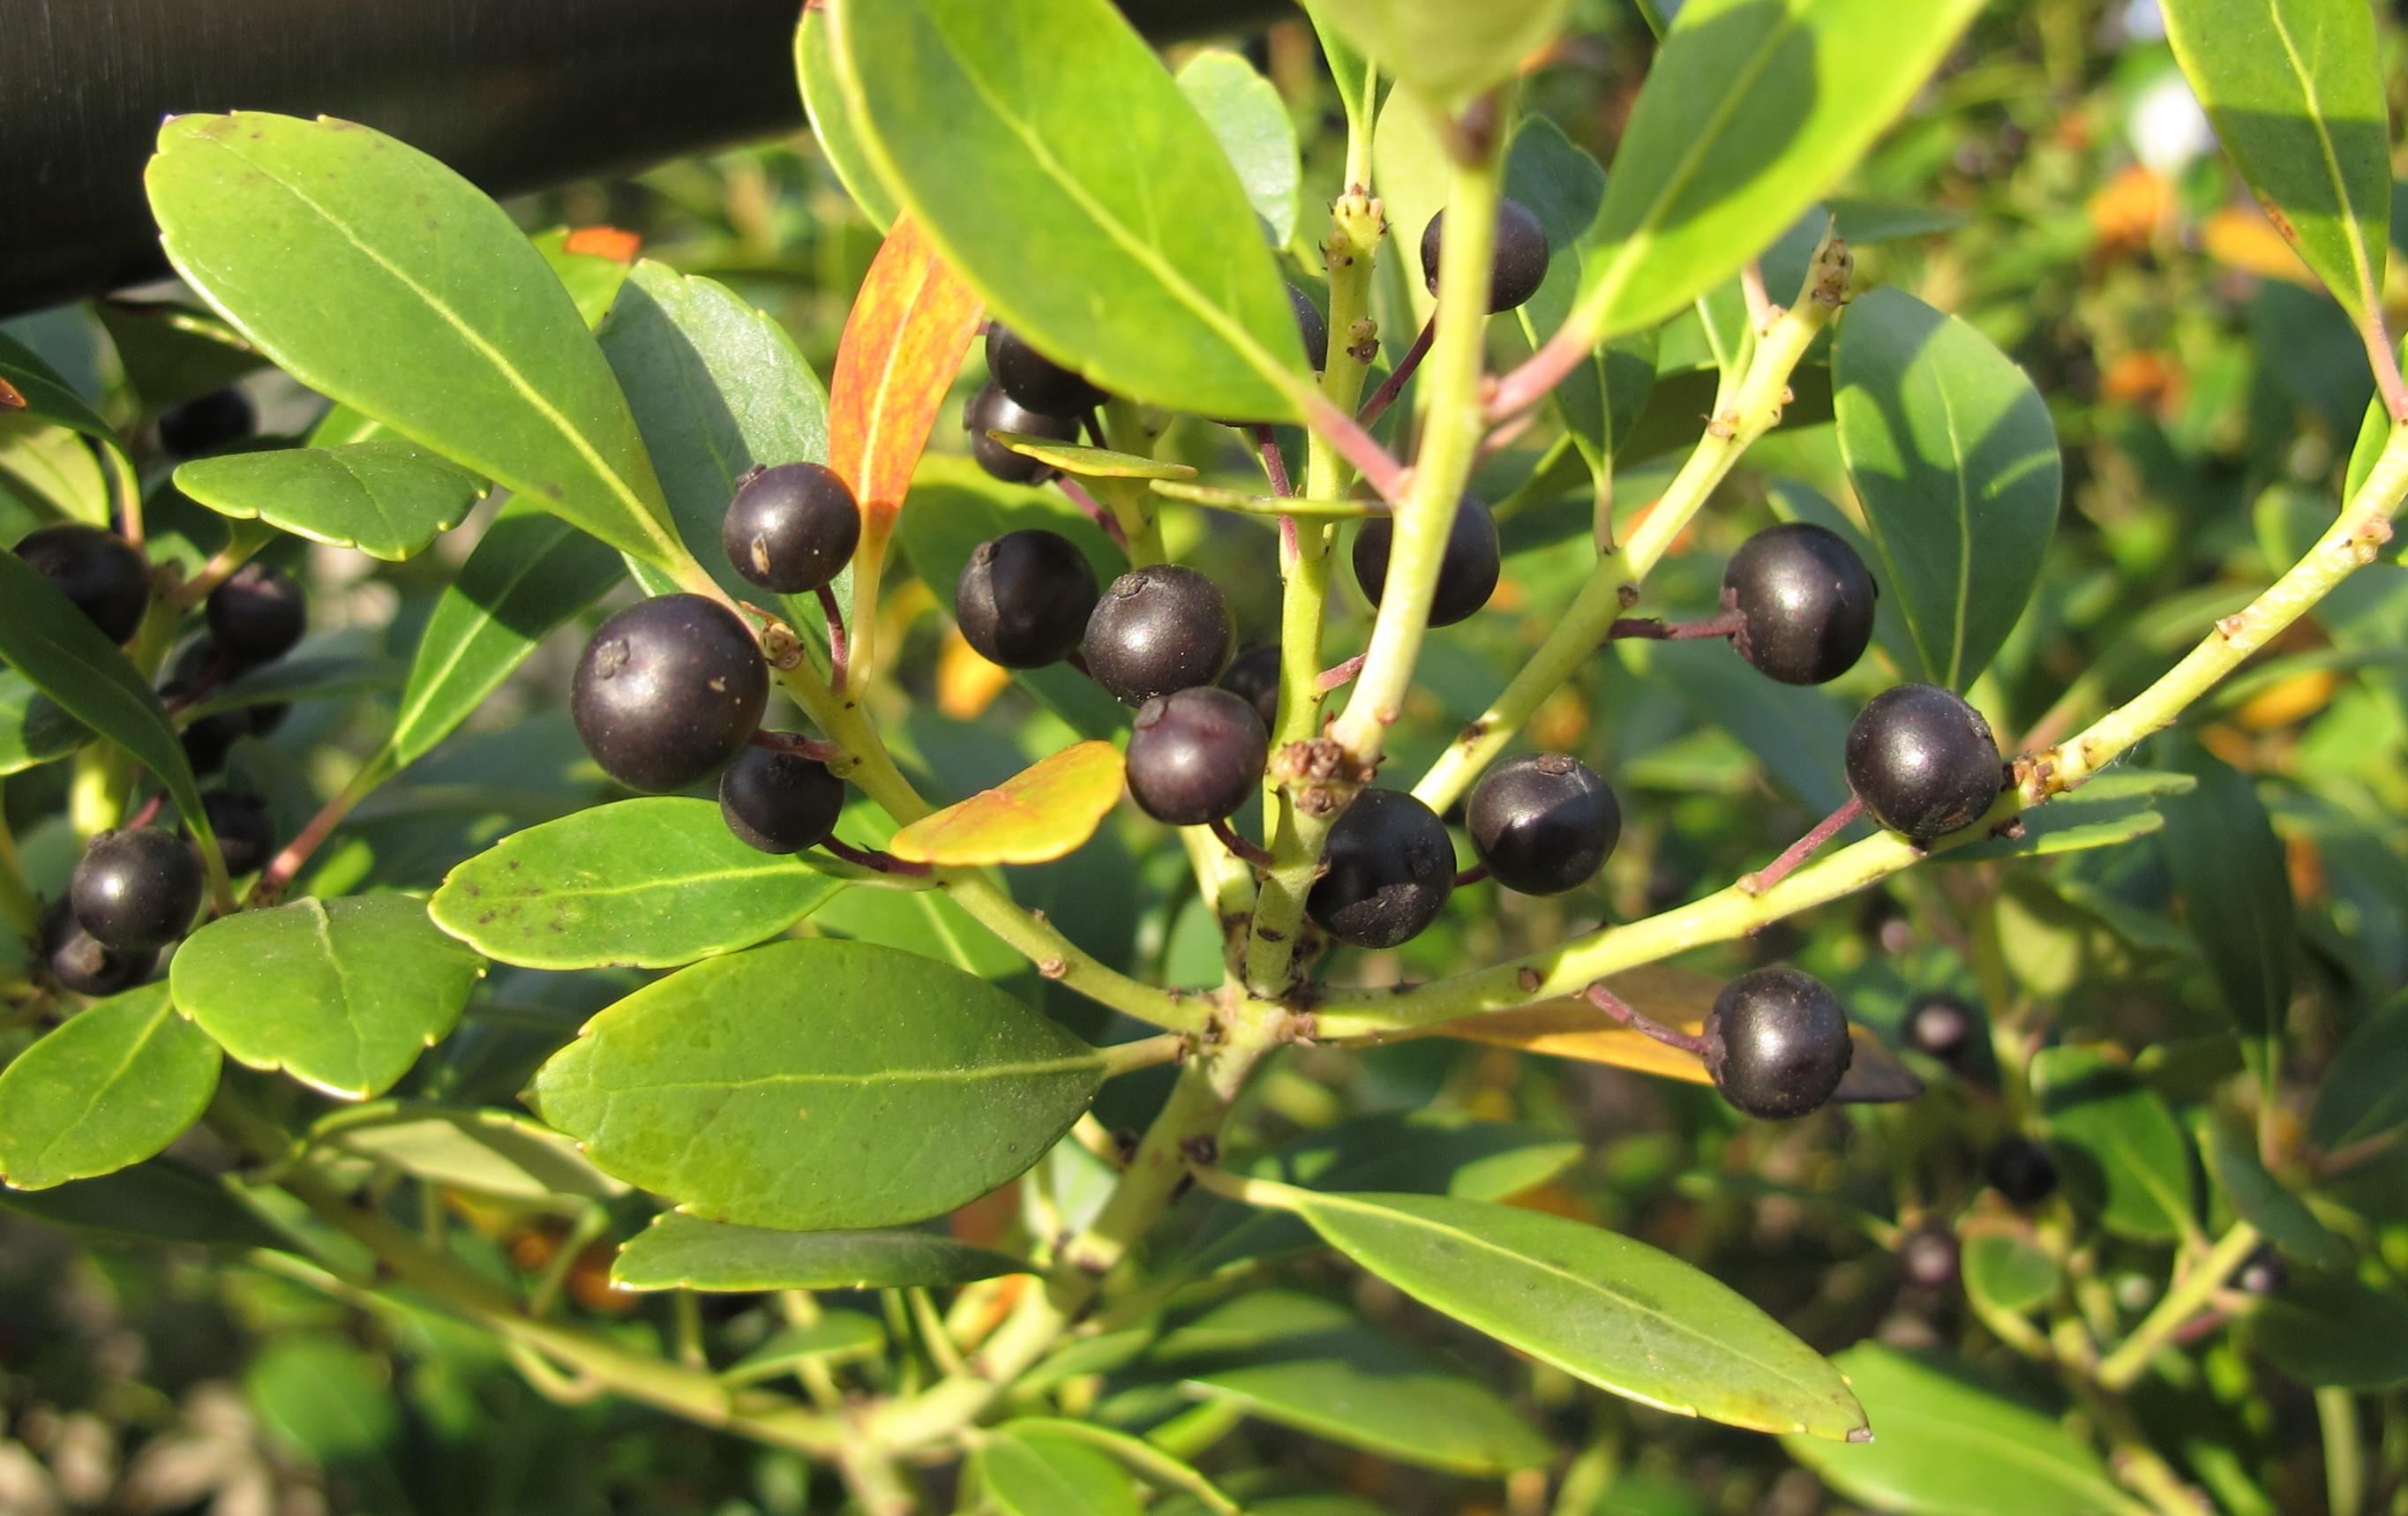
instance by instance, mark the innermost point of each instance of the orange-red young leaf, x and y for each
(605, 242)
(1036, 816)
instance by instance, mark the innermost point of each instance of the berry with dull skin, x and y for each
(1196, 755)
(246, 834)
(135, 890)
(99, 573)
(1777, 1043)
(1033, 380)
(992, 411)
(779, 802)
(207, 423)
(1930, 1257)
(2021, 1171)
(1806, 600)
(1023, 598)
(1941, 1026)
(1390, 866)
(792, 528)
(1923, 762)
(1157, 630)
(669, 690)
(1518, 265)
(1544, 822)
(1467, 568)
(82, 963)
(257, 615)
(1254, 675)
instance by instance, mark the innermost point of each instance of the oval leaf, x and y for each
(824, 105)
(686, 1252)
(387, 498)
(2007, 1272)
(2229, 867)
(1091, 463)
(342, 994)
(2122, 1157)
(1147, 267)
(1600, 1306)
(837, 1336)
(158, 1201)
(1954, 454)
(33, 728)
(646, 884)
(816, 1085)
(2265, 1202)
(1447, 52)
(1246, 113)
(32, 388)
(2365, 1089)
(1032, 1473)
(1042, 813)
(383, 280)
(108, 1089)
(2334, 1332)
(494, 1153)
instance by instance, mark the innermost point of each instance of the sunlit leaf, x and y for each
(686, 1252)
(111, 1087)
(387, 498)
(1042, 813)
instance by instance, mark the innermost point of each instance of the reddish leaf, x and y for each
(1037, 815)
(605, 242)
(9, 398)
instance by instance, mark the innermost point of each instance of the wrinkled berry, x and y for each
(779, 802)
(1159, 629)
(1807, 601)
(1195, 755)
(792, 528)
(1544, 822)
(135, 890)
(99, 573)
(1023, 598)
(1923, 762)
(1467, 570)
(1390, 869)
(669, 690)
(1778, 1043)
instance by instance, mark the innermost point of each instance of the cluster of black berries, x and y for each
(254, 618)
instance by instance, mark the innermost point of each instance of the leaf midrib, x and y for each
(100, 1090)
(976, 1074)
(488, 616)
(2368, 295)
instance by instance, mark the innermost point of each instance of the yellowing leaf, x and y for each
(2245, 239)
(1034, 817)
(967, 683)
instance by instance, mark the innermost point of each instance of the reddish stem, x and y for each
(1473, 875)
(836, 643)
(884, 863)
(286, 865)
(1545, 369)
(1613, 1006)
(1730, 623)
(1274, 467)
(1258, 856)
(795, 745)
(1393, 385)
(148, 813)
(1331, 678)
(1798, 852)
(1095, 424)
(1385, 476)
(1095, 512)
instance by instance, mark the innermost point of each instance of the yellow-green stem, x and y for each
(18, 909)
(2121, 1369)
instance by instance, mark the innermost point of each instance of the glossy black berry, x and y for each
(1941, 1026)
(1930, 1257)
(1520, 263)
(136, 890)
(1778, 1043)
(1807, 601)
(992, 411)
(1159, 629)
(1466, 573)
(99, 573)
(257, 615)
(779, 802)
(669, 690)
(792, 528)
(2021, 1171)
(206, 425)
(1035, 381)
(246, 833)
(2263, 1273)
(1254, 675)
(1024, 597)
(81, 964)
(1195, 755)
(1390, 869)
(1544, 822)
(1923, 762)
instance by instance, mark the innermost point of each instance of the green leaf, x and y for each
(1600, 1306)
(831, 122)
(1601, 397)
(1799, 735)
(109, 1088)
(2115, 808)
(1033, 1473)
(1147, 267)
(2334, 1332)
(47, 397)
(301, 677)
(2265, 1202)
(837, 1336)
(2007, 1272)
(159, 1201)
(1446, 51)
(387, 498)
(1312, 1364)
(1944, 1445)
(334, 1404)
(384, 280)
(818, 1085)
(49, 469)
(342, 994)
(1952, 452)
(686, 1252)
(33, 727)
(2123, 1158)
(2365, 1088)
(529, 573)
(646, 884)
(716, 388)
(494, 1153)
(1246, 113)
(2296, 93)
(1091, 463)
(2227, 867)
(1751, 112)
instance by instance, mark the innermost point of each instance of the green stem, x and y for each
(2345, 1454)
(18, 909)
(2121, 1369)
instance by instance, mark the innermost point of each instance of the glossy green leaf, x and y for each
(2123, 1158)
(1091, 463)
(716, 388)
(1944, 1445)
(593, 280)
(302, 676)
(824, 105)
(1246, 113)
(2113, 808)
(342, 994)
(837, 1336)
(1312, 1364)
(111, 1087)
(1599, 1306)
(2265, 1202)
(2334, 1332)
(1799, 735)
(159, 1201)
(2008, 1272)
(1602, 397)
(686, 1252)
(651, 883)
(818, 1085)
(33, 729)
(2365, 1088)
(925, 922)
(1039, 1473)
(382, 278)
(494, 1153)
(2227, 867)
(1751, 112)
(2295, 90)
(1446, 51)
(387, 498)
(47, 396)
(1952, 452)
(1148, 269)
(529, 573)
(50, 467)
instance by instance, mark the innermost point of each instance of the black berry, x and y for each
(2021, 1171)
(1312, 326)
(1778, 1043)
(1390, 868)
(99, 573)
(246, 834)
(792, 528)
(992, 411)
(669, 690)
(136, 890)
(257, 615)
(1159, 629)
(208, 739)
(1520, 263)
(2263, 1273)
(206, 425)
(1922, 762)
(1254, 675)
(1544, 822)
(1024, 597)
(1035, 381)
(1930, 1257)
(1195, 755)
(81, 964)
(1467, 572)
(1941, 1026)
(1807, 600)
(779, 802)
